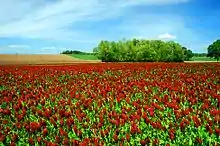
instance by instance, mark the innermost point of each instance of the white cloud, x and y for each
(18, 46)
(48, 48)
(56, 20)
(152, 2)
(15, 49)
(166, 36)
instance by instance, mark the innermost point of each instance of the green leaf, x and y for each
(72, 135)
(190, 142)
(2, 87)
(4, 105)
(33, 118)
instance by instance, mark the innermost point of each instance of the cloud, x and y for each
(48, 48)
(56, 19)
(166, 36)
(26, 49)
(152, 2)
(15, 49)
(18, 46)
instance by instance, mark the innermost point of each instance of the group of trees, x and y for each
(199, 54)
(142, 50)
(147, 50)
(76, 52)
(214, 50)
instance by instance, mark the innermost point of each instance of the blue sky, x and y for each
(51, 26)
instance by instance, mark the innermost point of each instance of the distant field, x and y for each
(6, 59)
(202, 59)
(93, 57)
(84, 57)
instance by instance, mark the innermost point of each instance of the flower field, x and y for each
(110, 104)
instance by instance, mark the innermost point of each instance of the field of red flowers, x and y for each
(110, 104)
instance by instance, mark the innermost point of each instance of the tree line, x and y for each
(76, 52)
(147, 50)
(214, 50)
(200, 54)
(142, 51)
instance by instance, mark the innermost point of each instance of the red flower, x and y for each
(196, 121)
(61, 122)
(31, 141)
(34, 126)
(14, 137)
(2, 138)
(199, 140)
(51, 144)
(57, 138)
(172, 134)
(62, 132)
(157, 106)
(151, 111)
(66, 141)
(52, 121)
(148, 140)
(79, 133)
(184, 123)
(45, 131)
(6, 111)
(118, 99)
(128, 137)
(156, 141)
(134, 128)
(124, 116)
(38, 139)
(143, 142)
(217, 131)
(75, 142)
(115, 137)
(12, 143)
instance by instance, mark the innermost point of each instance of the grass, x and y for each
(202, 59)
(84, 57)
(93, 57)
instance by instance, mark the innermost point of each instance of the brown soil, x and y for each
(6, 59)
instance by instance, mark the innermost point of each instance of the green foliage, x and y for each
(199, 54)
(188, 54)
(214, 50)
(76, 52)
(141, 51)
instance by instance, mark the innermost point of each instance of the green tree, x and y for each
(103, 51)
(144, 51)
(187, 54)
(177, 51)
(214, 50)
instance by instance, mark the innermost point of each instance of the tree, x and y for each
(214, 50)
(187, 54)
(102, 51)
(177, 52)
